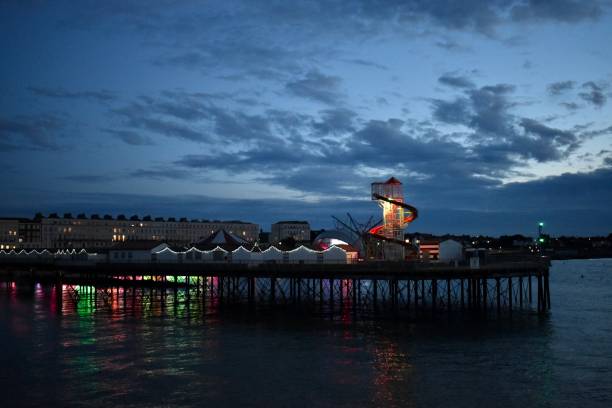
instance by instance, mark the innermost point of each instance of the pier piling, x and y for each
(395, 289)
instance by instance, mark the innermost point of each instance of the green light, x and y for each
(541, 239)
(541, 224)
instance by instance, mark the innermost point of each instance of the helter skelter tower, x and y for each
(396, 214)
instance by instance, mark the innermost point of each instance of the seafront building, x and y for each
(99, 233)
(298, 230)
(9, 230)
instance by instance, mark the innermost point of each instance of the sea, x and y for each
(75, 354)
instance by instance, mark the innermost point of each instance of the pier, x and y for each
(386, 289)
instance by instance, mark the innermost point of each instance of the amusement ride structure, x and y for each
(396, 215)
(376, 240)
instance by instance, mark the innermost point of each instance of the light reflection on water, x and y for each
(150, 348)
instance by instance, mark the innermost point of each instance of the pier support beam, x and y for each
(547, 290)
(434, 295)
(484, 294)
(273, 290)
(375, 293)
(529, 289)
(331, 295)
(393, 294)
(498, 289)
(540, 294)
(448, 295)
(510, 294)
(388, 290)
(354, 295)
(520, 292)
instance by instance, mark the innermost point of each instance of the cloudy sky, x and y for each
(494, 114)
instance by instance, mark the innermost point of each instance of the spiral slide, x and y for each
(413, 215)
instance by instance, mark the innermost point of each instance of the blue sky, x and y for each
(494, 114)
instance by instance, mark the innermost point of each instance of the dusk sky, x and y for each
(494, 114)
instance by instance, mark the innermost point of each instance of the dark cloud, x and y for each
(264, 35)
(593, 94)
(480, 15)
(98, 96)
(264, 158)
(197, 118)
(566, 191)
(456, 81)
(155, 173)
(572, 106)
(30, 132)
(485, 110)
(449, 45)
(366, 63)
(490, 105)
(236, 60)
(597, 132)
(90, 178)
(332, 151)
(161, 119)
(544, 143)
(500, 136)
(335, 122)
(129, 137)
(162, 173)
(171, 129)
(317, 87)
(452, 112)
(557, 88)
(331, 166)
(303, 159)
(568, 11)
(545, 132)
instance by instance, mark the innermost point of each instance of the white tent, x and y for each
(166, 255)
(192, 255)
(61, 254)
(218, 254)
(241, 255)
(256, 255)
(207, 256)
(135, 251)
(302, 255)
(272, 254)
(450, 250)
(334, 254)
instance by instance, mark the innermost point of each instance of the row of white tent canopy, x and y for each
(46, 256)
(301, 254)
(44, 252)
(164, 253)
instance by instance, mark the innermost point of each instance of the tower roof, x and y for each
(393, 180)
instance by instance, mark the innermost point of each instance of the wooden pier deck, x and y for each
(386, 287)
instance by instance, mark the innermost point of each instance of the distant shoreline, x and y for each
(580, 257)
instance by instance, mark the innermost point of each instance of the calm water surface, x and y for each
(145, 354)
